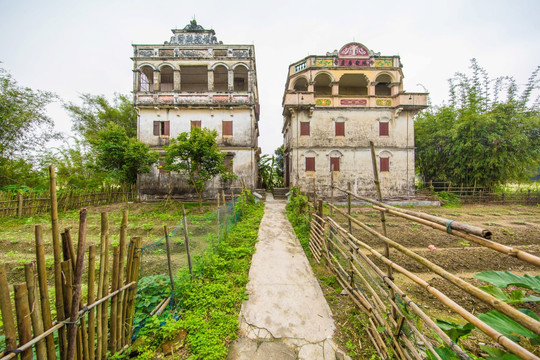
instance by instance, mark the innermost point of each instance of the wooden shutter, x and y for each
(166, 128)
(385, 164)
(227, 128)
(196, 124)
(340, 129)
(334, 162)
(304, 128)
(157, 129)
(310, 164)
(383, 129)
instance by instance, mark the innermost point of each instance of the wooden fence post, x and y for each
(121, 263)
(114, 302)
(349, 205)
(133, 290)
(23, 319)
(5, 309)
(169, 265)
(187, 239)
(91, 299)
(35, 309)
(217, 211)
(19, 205)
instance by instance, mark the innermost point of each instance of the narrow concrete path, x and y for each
(286, 316)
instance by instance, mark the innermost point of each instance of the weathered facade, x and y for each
(333, 106)
(195, 81)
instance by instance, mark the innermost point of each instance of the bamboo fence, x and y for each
(78, 319)
(13, 204)
(397, 325)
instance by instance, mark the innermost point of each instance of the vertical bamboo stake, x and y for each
(121, 271)
(91, 299)
(233, 207)
(105, 291)
(129, 266)
(133, 290)
(67, 284)
(5, 308)
(19, 205)
(187, 239)
(23, 319)
(72, 327)
(35, 310)
(44, 292)
(60, 313)
(217, 211)
(114, 303)
(169, 256)
(349, 205)
(331, 185)
(383, 218)
(100, 289)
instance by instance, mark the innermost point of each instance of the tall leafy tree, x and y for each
(196, 155)
(121, 156)
(96, 112)
(488, 133)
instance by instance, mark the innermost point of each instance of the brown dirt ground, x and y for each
(513, 225)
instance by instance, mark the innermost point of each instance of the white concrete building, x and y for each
(333, 106)
(194, 81)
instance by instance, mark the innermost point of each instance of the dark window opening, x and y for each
(228, 161)
(310, 164)
(221, 78)
(382, 87)
(194, 78)
(146, 79)
(353, 84)
(161, 128)
(301, 85)
(167, 79)
(323, 85)
(383, 129)
(240, 78)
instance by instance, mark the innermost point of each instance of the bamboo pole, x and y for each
(91, 298)
(44, 291)
(105, 291)
(217, 212)
(133, 290)
(121, 264)
(114, 302)
(5, 308)
(24, 326)
(35, 309)
(495, 335)
(129, 265)
(58, 288)
(169, 265)
(349, 205)
(76, 298)
(523, 319)
(101, 288)
(187, 238)
(63, 323)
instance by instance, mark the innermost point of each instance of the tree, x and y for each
(24, 125)
(271, 169)
(123, 157)
(480, 138)
(96, 113)
(197, 155)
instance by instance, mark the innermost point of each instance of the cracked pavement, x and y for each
(286, 316)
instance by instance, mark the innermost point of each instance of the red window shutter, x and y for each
(304, 128)
(157, 128)
(340, 129)
(310, 164)
(383, 129)
(196, 124)
(385, 164)
(334, 163)
(227, 128)
(166, 128)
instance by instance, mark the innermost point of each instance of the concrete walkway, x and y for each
(286, 316)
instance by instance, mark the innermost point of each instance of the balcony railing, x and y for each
(411, 101)
(173, 98)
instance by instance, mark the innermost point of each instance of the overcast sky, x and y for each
(72, 47)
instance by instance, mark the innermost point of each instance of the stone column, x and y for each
(231, 79)
(394, 88)
(176, 79)
(136, 80)
(157, 79)
(371, 88)
(311, 87)
(335, 88)
(210, 80)
(250, 80)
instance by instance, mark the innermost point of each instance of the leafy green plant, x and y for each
(507, 278)
(455, 331)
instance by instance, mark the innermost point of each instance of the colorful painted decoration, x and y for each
(351, 62)
(384, 62)
(323, 102)
(354, 50)
(354, 102)
(384, 102)
(324, 62)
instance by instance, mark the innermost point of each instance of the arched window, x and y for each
(240, 78)
(194, 78)
(353, 84)
(301, 84)
(382, 87)
(322, 85)
(146, 79)
(221, 78)
(167, 78)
